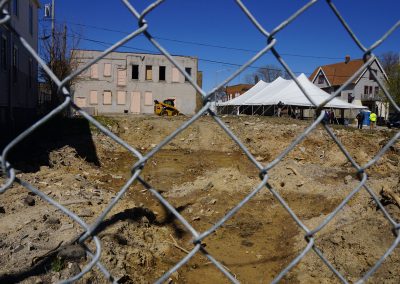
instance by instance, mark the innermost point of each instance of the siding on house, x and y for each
(116, 77)
(363, 90)
(18, 69)
(321, 80)
(365, 81)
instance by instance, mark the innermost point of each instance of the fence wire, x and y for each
(198, 237)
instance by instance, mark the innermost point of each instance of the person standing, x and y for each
(372, 118)
(331, 117)
(280, 106)
(360, 118)
(326, 117)
(297, 113)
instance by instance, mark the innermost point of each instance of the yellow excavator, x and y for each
(167, 107)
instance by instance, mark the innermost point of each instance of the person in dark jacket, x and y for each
(332, 117)
(326, 117)
(360, 118)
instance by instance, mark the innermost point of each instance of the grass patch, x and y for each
(57, 264)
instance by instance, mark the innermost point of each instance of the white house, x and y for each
(363, 90)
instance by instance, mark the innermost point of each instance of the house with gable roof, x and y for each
(363, 90)
(235, 91)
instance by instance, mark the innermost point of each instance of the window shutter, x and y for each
(175, 74)
(121, 97)
(148, 98)
(121, 77)
(149, 72)
(93, 97)
(81, 102)
(94, 71)
(107, 98)
(107, 69)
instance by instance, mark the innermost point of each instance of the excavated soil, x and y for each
(203, 174)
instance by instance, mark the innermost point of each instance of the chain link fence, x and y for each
(271, 38)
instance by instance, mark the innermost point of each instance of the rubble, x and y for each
(29, 201)
(203, 177)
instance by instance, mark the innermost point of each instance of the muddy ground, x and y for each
(203, 174)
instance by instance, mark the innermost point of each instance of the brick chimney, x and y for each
(347, 59)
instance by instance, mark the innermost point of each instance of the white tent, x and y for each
(289, 93)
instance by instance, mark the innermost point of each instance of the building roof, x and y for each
(239, 88)
(338, 73)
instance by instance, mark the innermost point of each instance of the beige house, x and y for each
(130, 82)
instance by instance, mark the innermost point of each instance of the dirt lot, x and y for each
(203, 174)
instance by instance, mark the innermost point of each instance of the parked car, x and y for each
(394, 120)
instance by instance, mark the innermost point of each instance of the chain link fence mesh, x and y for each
(271, 38)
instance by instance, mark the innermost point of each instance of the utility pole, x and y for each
(52, 33)
(52, 53)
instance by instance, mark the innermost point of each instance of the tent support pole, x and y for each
(258, 108)
(247, 106)
(266, 110)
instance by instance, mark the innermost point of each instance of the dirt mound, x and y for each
(203, 174)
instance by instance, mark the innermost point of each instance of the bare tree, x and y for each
(57, 51)
(268, 74)
(391, 64)
(219, 94)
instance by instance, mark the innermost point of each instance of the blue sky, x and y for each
(315, 38)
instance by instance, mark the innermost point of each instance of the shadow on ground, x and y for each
(42, 265)
(33, 152)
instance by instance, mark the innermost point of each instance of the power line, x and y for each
(106, 44)
(202, 43)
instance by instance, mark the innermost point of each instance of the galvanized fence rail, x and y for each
(271, 38)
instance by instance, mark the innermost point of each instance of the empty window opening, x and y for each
(161, 76)
(135, 72)
(189, 71)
